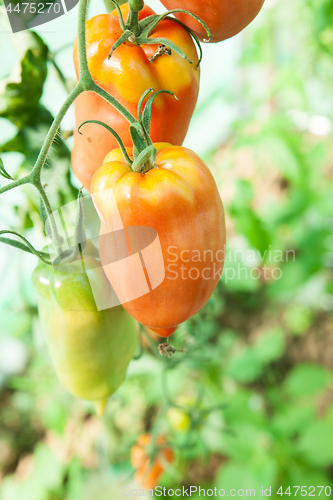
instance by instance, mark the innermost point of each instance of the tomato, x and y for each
(181, 266)
(179, 420)
(224, 18)
(148, 474)
(126, 75)
(90, 349)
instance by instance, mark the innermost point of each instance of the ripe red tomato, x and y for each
(126, 76)
(224, 18)
(179, 199)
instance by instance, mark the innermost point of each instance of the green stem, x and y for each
(119, 107)
(53, 131)
(86, 83)
(14, 184)
(133, 22)
(81, 37)
(56, 238)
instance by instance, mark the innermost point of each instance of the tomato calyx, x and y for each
(138, 31)
(168, 350)
(144, 151)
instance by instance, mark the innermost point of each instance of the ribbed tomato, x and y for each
(165, 276)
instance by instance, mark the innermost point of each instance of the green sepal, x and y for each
(142, 98)
(4, 172)
(167, 43)
(146, 116)
(141, 30)
(115, 135)
(139, 138)
(120, 14)
(42, 212)
(123, 38)
(143, 162)
(196, 39)
(158, 19)
(80, 238)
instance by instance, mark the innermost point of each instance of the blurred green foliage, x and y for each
(250, 405)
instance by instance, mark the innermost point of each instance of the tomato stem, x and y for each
(138, 31)
(133, 19)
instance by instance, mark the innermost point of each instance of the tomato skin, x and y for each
(148, 475)
(90, 349)
(126, 76)
(224, 18)
(163, 332)
(180, 200)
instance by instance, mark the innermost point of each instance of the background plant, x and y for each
(251, 403)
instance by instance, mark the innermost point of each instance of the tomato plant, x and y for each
(130, 71)
(224, 18)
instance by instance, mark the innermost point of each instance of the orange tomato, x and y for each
(224, 18)
(164, 281)
(126, 76)
(148, 475)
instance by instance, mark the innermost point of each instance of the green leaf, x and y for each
(247, 221)
(255, 474)
(307, 380)
(316, 444)
(20, 104)
(245, 366)
(21, 98)
(298, 319)
(306, 476)
(270, 346)
(293, 420)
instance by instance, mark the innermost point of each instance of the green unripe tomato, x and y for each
(90, 349)
(179, 420)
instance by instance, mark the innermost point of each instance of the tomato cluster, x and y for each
(156, 195)
(150, 469)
